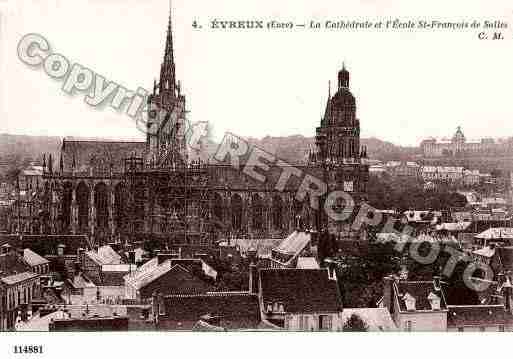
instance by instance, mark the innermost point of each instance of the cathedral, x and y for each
(153, 191)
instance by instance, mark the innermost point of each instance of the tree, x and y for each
(355, 324)
(361, 270)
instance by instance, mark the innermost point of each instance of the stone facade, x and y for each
(130, 191)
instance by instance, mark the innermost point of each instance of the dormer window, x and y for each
(409, 301)
(434, 300)
(276, 307)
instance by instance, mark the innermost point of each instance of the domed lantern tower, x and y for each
(339, 153)
(338, 137)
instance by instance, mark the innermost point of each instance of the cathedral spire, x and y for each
(167, 70)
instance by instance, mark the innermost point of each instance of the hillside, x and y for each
(19, 150)
(295, 148)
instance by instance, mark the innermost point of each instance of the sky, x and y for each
(408, 84)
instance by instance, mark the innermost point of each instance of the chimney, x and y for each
(437, 283)
(388, 293)
(60, 250)
(253, 278)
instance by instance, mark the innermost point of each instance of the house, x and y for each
(415, 305)
(227, 310)
(471, 177)
(403, 169)
(307, 263)
(488, 310)
(377, 170)
(496, 235)
(19, 285)
(285, 255)
(95, 263)
(376, 319)
(165, 278)
(79, 290)
(421, 217)
(451, 175)
(482, 318)
(38, 264)
(300, 299)
(485, 254)
(436, 306)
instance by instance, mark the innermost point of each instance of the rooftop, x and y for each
(234, 310)
(478, 315)
(301, 290)
(33, 259)
(496, 233)
(17, 278)
(420, 291)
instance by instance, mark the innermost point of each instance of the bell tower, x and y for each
(338, 137)
(339, 155)
(166, 145)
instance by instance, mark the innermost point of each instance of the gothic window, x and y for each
(258, 212)
(120, 205)
(297, 207)
(101, 204)
(277, 212)
(66, 206)
(82, 197)
(217, 207)
(236, 204)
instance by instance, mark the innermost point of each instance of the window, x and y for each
(501, 328)
(408, 325)
(304, 322)
(325, 322)
(348, 186)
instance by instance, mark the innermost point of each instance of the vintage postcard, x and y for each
(250, 166)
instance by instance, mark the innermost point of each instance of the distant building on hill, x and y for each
(459, 146)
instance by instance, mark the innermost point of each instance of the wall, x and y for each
(293, 321)
(423, 321)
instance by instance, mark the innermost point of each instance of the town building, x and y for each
(375, 319)
(38, 264)
(227, 310)
(459, 146)
(165, 278)
(286, 254)
(403, 169)
(301, 299)
(415, 305)
(19, 285)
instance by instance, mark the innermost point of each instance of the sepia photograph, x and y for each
(259, 167)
